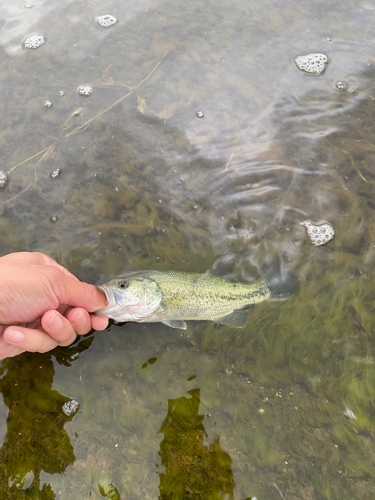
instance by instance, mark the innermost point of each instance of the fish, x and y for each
(174, 297)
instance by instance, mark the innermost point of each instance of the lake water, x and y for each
(200, 140)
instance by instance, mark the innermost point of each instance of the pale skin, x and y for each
(43, 305)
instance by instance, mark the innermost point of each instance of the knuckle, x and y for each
(90, 290)
(38, 255)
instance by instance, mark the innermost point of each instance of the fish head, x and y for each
(130, 299)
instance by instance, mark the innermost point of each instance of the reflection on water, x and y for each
(193, 469)
(35, 439)
(200, 140)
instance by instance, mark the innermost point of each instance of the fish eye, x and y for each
(123, 284)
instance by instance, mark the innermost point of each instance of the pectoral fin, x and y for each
(236, 319)
(176, 323)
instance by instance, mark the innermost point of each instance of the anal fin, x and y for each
(236, 319)
(176, 323)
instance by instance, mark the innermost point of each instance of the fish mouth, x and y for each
(111, 299)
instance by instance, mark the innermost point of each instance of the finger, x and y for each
(58, 328)
(27, 339)
(8, 350)
(79, 294)
(95, 322)
(80, 320)
(99, 322)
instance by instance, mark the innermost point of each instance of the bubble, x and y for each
(341, 85)
(54, 218)
(55, 173)
(319, 234)
(3, 179)
(312, 63)
(48, 104)
(200, 114)
(33, 41)
(106, 21)
(61, 93)
(84, 90)
(70, 407)
(28, 6)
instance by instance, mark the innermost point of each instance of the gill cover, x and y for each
(131, 298)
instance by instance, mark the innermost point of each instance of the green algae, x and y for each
(193, 469)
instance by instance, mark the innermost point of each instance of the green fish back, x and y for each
(194, 296)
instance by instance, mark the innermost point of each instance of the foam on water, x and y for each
(85, 90)
(3, 179)
(55, 173)
(33, 41)
(70, 407)
(312, 63)
(106, 20)
(319, 234)
(21, 481)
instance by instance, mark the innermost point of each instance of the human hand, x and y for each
(42, 305)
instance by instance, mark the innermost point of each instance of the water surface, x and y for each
(201, 141)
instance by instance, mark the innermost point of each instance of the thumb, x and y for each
(72, 292)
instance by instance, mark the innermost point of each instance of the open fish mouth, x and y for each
(111, 298)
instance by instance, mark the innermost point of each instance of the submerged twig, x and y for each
(228, 162)
(46, 152)
(358, 324)
(81, 127)
(30, 158)
(279, 491)
(77, 129)
(353, 163)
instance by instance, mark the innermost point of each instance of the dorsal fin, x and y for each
(129, 268)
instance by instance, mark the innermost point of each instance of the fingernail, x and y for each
(14, 336)
(80, 321)
(55, 323)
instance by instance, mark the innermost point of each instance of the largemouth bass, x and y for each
(172, 297)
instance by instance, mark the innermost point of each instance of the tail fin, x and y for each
(280, 283)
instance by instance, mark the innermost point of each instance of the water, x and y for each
(264, 411)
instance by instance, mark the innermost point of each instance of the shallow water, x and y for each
(201, 141)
